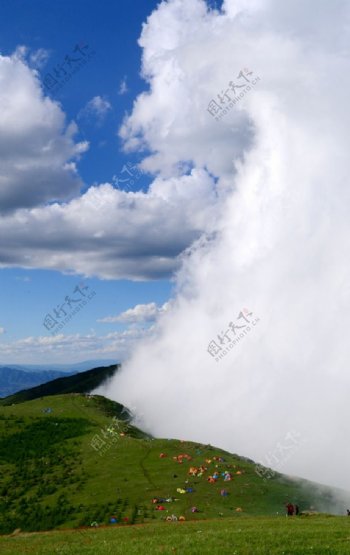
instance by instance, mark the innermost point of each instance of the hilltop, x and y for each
(74, 460)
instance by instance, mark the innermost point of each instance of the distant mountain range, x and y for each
(80, 382)
(67, 368)
(14, 378)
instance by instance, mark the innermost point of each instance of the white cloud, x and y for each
(281, 244)
(38, 58)
(141, 313)
(105, 232)
(24, 278)
(172, 119)
(97, 108)
(35, 141)
(123, 87)
(63, 348)
(110, 233)
(2, 330)
(34, 58)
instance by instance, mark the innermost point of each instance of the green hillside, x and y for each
(83, 382)
(73, 460)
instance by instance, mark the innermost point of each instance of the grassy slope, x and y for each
(82, 382)
(50, 475)
(238, 536)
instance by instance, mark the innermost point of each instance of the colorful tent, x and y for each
(193, 471)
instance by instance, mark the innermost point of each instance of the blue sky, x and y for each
(111, 30)
(27, 296)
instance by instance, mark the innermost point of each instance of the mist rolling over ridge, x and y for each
(278, 245)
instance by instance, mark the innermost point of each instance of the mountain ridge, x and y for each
(82, 382)
(13, 380)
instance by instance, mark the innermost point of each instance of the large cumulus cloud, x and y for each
(280, 246)
(111, 233)
(46, 223)
(37, 148)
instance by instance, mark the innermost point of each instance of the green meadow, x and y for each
(242, 535)
(77, 477)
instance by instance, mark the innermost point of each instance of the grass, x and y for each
(241, 535)
(52, 478)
